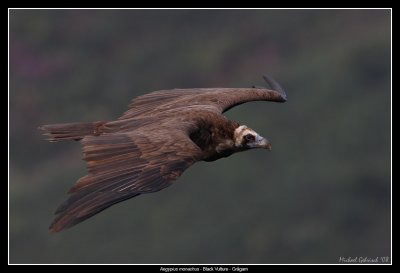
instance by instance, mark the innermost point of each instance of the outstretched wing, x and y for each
(217, 100)
(122, 166)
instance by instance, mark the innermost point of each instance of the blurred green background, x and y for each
(322, 193)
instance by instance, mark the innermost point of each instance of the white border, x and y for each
(200, 265)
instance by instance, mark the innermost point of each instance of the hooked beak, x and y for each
(263, 143)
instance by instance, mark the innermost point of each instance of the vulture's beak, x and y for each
(263, 143)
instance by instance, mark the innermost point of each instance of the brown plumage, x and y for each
(151, 144)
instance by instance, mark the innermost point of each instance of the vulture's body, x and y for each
(151, 144)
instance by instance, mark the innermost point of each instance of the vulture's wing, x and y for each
(217, 100)
(124, 165)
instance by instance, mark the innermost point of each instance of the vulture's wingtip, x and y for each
(52, 229)
(275, 86)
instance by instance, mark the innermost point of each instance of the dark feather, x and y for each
(150, 145)
(122, 166)
(275, 85)
(217, 100)
(71, 131)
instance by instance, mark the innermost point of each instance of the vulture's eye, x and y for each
(249, 137)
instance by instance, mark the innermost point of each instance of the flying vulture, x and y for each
(153, 142)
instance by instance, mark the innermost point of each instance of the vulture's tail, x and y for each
(71, 131)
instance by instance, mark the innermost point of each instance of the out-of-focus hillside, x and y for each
(323, 192)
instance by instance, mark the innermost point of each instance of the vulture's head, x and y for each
(246, 138)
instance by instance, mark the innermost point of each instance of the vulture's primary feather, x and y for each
(153, 143)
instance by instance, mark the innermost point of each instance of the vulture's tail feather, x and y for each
(71, 131)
